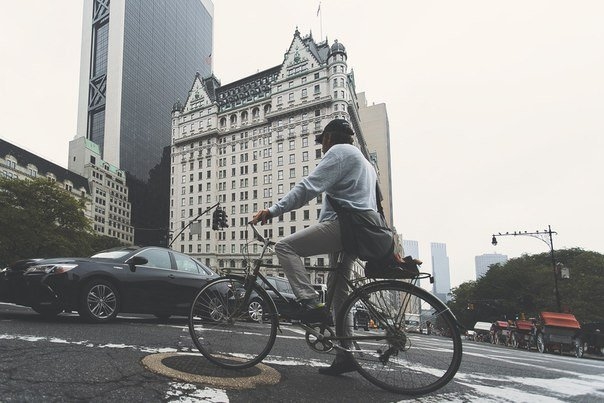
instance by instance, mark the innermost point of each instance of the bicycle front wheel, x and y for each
(230, 330)
(417, 344)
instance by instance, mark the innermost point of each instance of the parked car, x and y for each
(256, 308)
(133, 279)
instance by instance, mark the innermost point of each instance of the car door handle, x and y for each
(171, 276)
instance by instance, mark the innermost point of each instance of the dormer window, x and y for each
(12, 164)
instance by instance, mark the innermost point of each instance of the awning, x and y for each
(524, 325)
(484, 326)
(560, 320)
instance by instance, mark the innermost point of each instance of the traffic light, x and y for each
(216, 219)
(224, 223)
(219, 219)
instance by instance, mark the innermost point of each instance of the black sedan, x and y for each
(151, 280)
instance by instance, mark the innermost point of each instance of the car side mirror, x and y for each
(136, 261)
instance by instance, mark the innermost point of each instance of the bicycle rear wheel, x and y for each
(419, 350)
(224, 329)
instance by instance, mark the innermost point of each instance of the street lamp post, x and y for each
(545, 236)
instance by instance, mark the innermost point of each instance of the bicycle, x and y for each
(388, 355)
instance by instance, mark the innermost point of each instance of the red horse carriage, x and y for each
(522, 334)
(559, 331)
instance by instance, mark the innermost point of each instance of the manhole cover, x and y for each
(198, 365)
(195, 368)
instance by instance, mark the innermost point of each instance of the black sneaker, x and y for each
(309, 311)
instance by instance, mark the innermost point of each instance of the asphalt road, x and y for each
(68, 360)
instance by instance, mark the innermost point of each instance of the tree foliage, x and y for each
(38, 219)
(525, 285)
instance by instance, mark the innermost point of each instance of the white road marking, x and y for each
(483, 387)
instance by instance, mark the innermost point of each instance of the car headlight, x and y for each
(51, 268)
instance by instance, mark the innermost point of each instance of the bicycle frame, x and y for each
(255, 274)
(232, 308)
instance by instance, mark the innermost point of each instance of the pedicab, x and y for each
(559, 332)
(500, 331)
(483, 331)
(522, 334)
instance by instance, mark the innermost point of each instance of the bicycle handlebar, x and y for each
(258, 236)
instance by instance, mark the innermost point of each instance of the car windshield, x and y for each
(111, 254)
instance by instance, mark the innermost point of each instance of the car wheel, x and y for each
(355, 326)
(255, 310)
(216, 309)
(48, 311)
(99, 301)
(540, 343)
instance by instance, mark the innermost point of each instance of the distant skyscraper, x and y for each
(411, 248)
(440, 269)
(137, 57)
(376, 129)
(483, 262)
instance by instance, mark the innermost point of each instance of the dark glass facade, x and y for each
(165, 43)
(98, 73)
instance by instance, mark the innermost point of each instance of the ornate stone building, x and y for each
(108, 188)
(245, 144)
(18, 163)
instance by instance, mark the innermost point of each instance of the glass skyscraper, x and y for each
(440, 270)
(138, 57)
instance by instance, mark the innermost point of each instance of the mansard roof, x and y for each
(247, 88)
(44, 167)
(319, 50)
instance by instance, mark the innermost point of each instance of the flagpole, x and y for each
(320, 13)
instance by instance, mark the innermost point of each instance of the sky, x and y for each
(496, 109)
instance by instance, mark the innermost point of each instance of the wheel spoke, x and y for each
(101, 301)
(404, 361)
(229, 331)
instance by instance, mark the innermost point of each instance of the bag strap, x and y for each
(378, 201)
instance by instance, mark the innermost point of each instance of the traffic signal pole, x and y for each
(192, 221)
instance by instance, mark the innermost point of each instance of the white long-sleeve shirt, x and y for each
(344, 174)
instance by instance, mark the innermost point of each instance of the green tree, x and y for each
(525, 285)
(38, 219)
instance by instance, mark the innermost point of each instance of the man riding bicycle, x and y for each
(347, 176)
